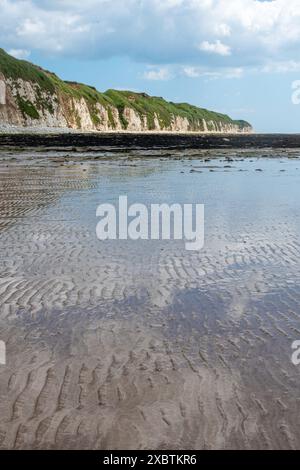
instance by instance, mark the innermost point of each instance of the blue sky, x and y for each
(239, 57)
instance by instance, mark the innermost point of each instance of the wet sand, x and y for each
(125, 345)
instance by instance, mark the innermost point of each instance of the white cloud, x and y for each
(158, 74)
(236, 72)
(216, 47)
(19, 53)
(194, 72)
(30, 27)
(191, 72)
(232, 34)
(281, 67)
(222, 30)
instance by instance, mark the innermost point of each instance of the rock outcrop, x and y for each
(33, 97)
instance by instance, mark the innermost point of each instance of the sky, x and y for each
(239, 57)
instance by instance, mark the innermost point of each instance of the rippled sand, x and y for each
(116, 345)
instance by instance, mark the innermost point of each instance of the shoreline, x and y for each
(65, 131)
(68, 130)
(148, 140)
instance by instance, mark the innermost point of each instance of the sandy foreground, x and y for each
(135, 345)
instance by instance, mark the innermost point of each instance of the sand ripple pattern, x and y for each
(134, 345)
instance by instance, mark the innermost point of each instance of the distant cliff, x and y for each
(33, 97)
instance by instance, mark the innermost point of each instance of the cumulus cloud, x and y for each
(162, 73)
(212, 33)
(216, 47)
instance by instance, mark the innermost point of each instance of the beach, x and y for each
(144, 345)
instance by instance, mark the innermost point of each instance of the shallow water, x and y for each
(121, 344)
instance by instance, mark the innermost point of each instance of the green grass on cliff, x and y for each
(143, 105)
(28, 108)
(151, 106)
(14, 69)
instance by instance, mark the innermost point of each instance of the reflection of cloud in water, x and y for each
(147, 332)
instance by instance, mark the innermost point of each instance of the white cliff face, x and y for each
(26, 104)
(2, 92)
(48, 109)
(82, 115)
(180, 124)
(103, 117)
(8, 111)
(135, 123)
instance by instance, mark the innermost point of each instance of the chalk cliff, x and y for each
(33, 97)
